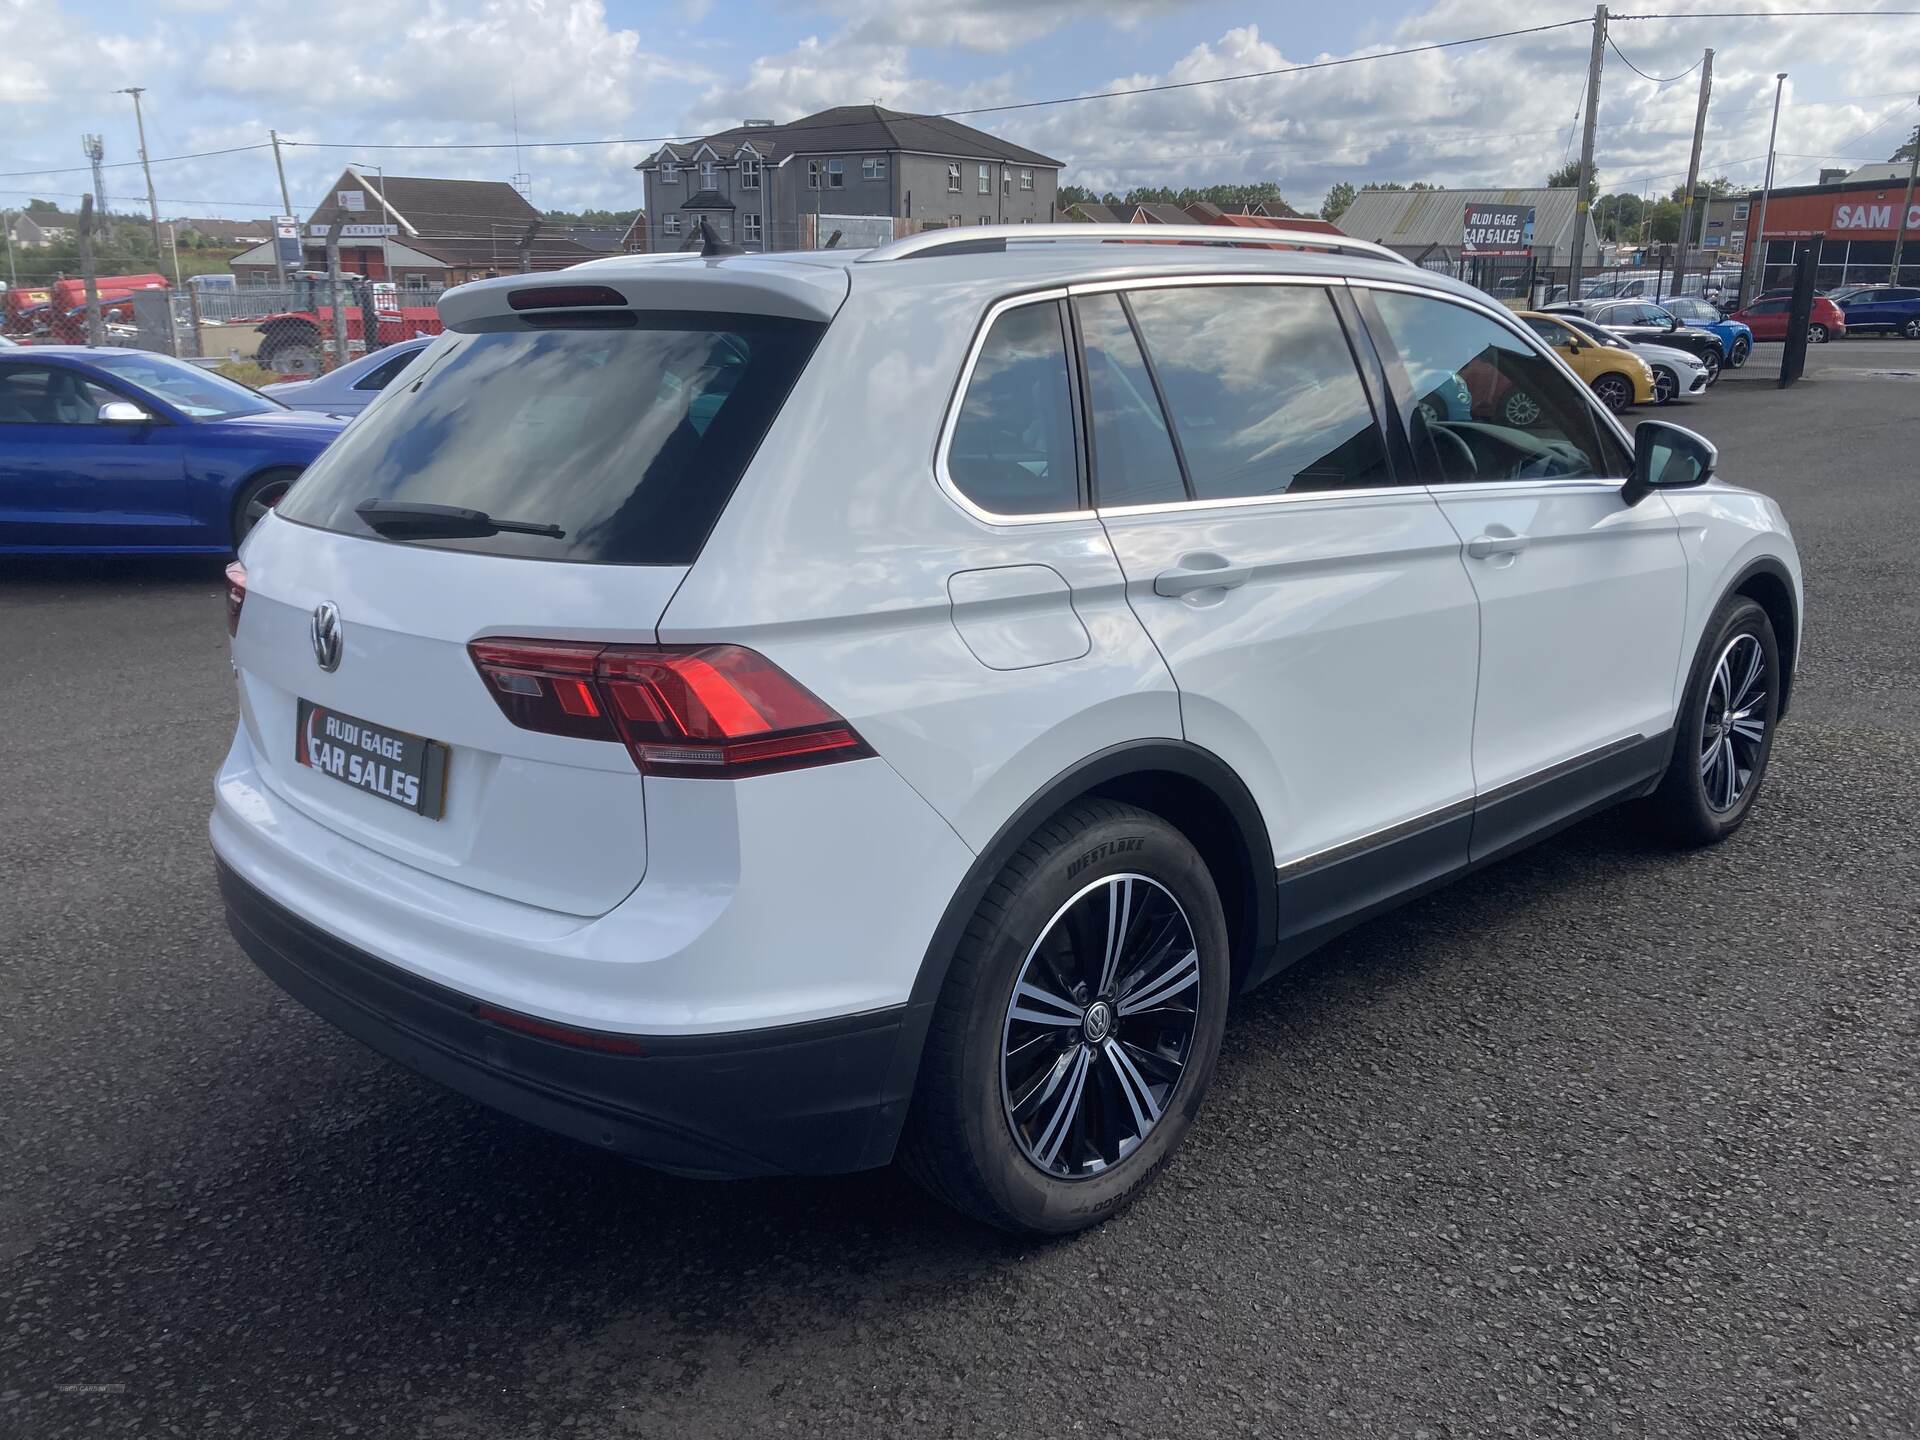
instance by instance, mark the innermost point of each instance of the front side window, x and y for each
(189, 389)
(1133, 457)
(627, 440)
(953, 179)
(1480, 404)
(1012, 450)
(984, 176)
(1262, 389)
(49, 395)
(382, 375)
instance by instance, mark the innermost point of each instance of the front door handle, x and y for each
(1201, 570)
(1482, 546)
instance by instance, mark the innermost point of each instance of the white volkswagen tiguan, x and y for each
(765, 714)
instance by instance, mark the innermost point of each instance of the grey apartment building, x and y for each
(761, 185)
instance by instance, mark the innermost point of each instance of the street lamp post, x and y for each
(1906, 209)
(1757, 237)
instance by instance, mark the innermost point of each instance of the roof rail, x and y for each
(982, 239)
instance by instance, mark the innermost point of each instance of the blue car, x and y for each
(1894, 308)
(118, 451)
(1735, 338)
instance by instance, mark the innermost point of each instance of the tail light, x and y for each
(236, 595)
(714, 711)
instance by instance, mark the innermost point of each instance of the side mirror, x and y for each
(1673, 322)
(123, 412)
(1667, 457)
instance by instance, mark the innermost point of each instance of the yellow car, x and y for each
(1618, 377)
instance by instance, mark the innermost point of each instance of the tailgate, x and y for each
(546, 820)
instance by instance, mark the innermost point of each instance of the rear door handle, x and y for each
(1482, 546)
(1201, 570)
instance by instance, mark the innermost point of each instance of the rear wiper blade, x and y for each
(403, 520)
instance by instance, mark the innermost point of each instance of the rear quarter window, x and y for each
(630, 439)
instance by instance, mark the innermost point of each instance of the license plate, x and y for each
(402, 769)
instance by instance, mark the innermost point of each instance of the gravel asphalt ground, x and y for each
(1602, 1141)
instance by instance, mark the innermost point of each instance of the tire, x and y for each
(1666, 385)
(256, 497)
(1703, 798)
(1912, 328)
(297, 358)
(1615, 390)
(1520, 410)
(1712, 359)
(1816, 334)
(1738, 355)
(1023, 1117)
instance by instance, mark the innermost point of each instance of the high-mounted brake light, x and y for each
(715, 711)
(563, 297)
(236, 595)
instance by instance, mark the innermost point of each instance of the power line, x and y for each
(127, 164)
(1765, 15)
(1655, 78)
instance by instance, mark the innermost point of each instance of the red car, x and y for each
(1767, 318)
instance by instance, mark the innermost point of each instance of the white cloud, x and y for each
(984, 25)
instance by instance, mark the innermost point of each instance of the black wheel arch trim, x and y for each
(1116, 762)
(247, 482)
(1774, 569)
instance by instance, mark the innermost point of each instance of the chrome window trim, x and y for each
(1513, 323)
(941, 474)
(1176, 280)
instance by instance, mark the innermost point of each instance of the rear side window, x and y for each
(1012, 450)
(630, 440)
(1262, 389)
(1133, 457)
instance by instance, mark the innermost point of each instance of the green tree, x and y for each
(1905, 152)
(37, 206)
(1568, 176)
(1618, 217)
(1339, 197)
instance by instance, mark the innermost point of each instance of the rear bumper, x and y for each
(813, 1098)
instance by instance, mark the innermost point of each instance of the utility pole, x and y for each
(1585, 183)
(286, 208)
(333, 293)
(1693, 171)
(96, 333)
(1757, 234)
(153, 205)
(6, 223)
(1906, 209)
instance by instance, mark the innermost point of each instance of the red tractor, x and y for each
(295, 342)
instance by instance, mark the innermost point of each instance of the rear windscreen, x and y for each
(629, 440)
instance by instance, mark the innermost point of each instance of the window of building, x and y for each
(749, 173)
(874, 167)
(1012, 451)
(813, 174)
(1482, 404)
(1026, 179)
(750, 227)
(669, 173)
(836, 174)
(986, 219)
(1006, 181)
(954, 222)
(670, 225)
(1133, 458)
(1262, 389)
(709, 175)
(984, 177)
(953, 179)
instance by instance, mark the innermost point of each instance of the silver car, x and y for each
(353, 387)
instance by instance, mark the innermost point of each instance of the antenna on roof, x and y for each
(520, 180)
(712, 247)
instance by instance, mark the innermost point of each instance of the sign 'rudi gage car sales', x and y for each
(1498, 230)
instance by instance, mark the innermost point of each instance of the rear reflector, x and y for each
(236, 595)
(560, 1034)
(710, 711)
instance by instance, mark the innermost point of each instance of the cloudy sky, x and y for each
(352, 75)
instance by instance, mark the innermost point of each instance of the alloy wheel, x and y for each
(1817, 334)
(1912, 329)
(1711, 359)
(1665, 387)
(259, 503)
(1733, 725)
(1521, 409)
(1738, 356)
(1100, 1026)
(1614, 392)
